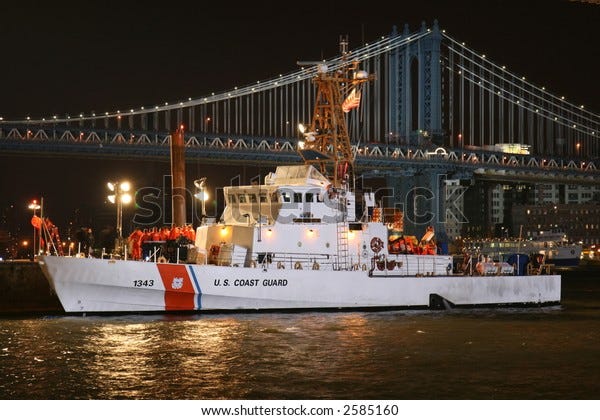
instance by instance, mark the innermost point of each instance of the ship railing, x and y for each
(488, 264)
(411, 265)
(297, 260)
(306, 261)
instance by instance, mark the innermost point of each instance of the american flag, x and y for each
(352, 101)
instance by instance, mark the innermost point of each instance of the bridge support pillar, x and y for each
(417, 65)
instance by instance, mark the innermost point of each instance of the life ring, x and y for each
(376, 244)
(364, 267)
(161, 260)
(316, 266)
(280, 265)
(297, 265)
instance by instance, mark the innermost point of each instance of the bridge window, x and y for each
(297, 197)
(242, 198)
(263, 198)
(309, 197)
(252, 198)
(286, 197)
(232, 198)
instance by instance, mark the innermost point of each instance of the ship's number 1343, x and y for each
(143, 283)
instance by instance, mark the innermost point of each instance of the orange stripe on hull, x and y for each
(179, 291)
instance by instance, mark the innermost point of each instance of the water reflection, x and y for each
(149, 357)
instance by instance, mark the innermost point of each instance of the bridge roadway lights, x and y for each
(376, 158)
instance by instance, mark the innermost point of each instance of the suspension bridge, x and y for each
(436, 108)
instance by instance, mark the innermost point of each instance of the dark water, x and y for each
(535, 353)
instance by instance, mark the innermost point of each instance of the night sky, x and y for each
(117, 55)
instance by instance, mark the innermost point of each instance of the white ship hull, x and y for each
(86, 285)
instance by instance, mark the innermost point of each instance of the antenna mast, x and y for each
(327, 142)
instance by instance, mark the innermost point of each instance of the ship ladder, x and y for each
(342, 245)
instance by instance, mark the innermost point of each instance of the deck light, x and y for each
(121, 196)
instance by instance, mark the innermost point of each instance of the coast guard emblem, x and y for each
(177, 283)
(179, 290)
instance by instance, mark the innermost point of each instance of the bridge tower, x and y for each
(417, 65)
(415, 116)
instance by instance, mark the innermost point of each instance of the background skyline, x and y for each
(64, 59)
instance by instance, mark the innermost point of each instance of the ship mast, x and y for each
(327, 142)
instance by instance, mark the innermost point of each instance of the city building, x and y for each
(579, 221)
